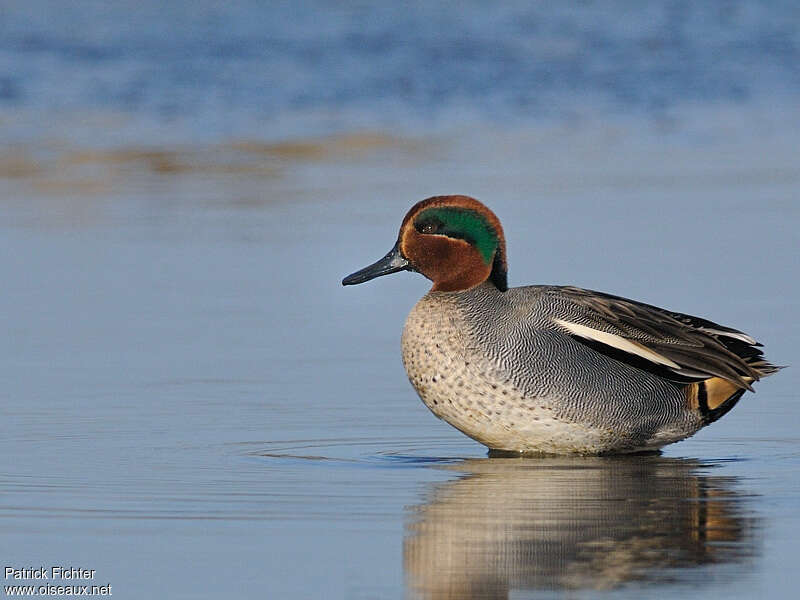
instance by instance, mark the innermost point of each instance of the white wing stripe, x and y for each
(618, 342)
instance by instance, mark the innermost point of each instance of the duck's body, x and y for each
(547, 369)
(498, 367)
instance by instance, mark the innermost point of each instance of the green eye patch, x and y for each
(462, 224)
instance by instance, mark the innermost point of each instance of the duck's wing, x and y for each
(672, 345)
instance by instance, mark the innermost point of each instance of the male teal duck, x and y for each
(552, 369)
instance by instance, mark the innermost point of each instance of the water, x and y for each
(194, 407)
(105, 73)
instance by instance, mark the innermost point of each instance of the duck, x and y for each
(547, 369)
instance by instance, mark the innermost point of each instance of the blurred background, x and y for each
(193, 406)
(89, 89)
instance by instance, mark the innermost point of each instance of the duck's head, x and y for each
(455, 241)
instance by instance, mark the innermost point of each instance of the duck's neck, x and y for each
(499, 274)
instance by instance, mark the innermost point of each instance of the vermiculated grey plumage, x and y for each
(499, 367)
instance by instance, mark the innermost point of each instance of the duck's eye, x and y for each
(429, 227)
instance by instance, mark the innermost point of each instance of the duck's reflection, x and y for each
(573, 523)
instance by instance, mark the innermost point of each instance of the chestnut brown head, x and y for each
(455, 241)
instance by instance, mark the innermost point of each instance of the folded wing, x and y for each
(675, 346)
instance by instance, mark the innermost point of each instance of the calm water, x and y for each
(194, 407)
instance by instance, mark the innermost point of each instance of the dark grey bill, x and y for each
(391, 263)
